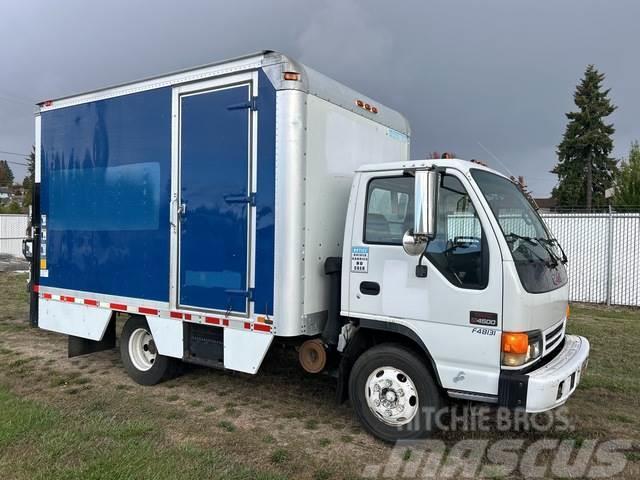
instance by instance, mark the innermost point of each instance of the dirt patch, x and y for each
(250, 417)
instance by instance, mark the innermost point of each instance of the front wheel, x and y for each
(140, 356)
(393, 393)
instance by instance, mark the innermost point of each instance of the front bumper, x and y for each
(550, 385)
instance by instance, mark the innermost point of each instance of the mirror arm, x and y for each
(421, 270)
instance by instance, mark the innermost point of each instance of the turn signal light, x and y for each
(520, 349)
(568, 313)
(515, 343)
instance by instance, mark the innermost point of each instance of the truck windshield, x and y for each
(538, 256)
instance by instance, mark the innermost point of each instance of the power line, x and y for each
(15, 153)
(15, 163)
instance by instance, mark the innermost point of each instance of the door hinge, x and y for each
(251, 105)
(250, 199)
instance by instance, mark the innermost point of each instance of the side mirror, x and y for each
(426, 199)
(425, 218)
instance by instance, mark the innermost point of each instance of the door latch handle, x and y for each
(176, 212)
(370, 288)
(182, 210)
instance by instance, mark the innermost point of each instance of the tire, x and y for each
(137, 351)
(407, 395)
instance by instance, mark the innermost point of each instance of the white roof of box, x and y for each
(274, 65)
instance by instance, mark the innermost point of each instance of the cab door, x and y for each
(463, 282)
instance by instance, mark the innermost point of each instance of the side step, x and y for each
(203, 345)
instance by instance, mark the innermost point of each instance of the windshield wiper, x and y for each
(553, 256)
(511, 237)
(551, 242)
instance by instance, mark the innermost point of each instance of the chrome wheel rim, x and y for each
(142, 350)
(391, 396)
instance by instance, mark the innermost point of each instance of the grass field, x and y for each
(83, 418)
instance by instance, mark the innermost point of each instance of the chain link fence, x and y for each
(604, 254)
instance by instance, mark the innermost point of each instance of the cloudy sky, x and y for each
(470, 75)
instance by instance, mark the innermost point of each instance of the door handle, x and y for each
(370, 288)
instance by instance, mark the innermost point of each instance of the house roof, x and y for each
(546, 202)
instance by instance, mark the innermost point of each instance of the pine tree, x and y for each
(27, 183)
(6, 175)
(585, 169)
(628, 184)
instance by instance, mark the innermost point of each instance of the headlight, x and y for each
(521, 348)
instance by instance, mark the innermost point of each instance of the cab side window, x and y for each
(389, 210)
(459, 250)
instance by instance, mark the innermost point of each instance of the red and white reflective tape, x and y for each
(194, 317)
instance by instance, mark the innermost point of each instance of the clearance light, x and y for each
(568, 312)
(519, 349)
(293, 76)
(367, 106)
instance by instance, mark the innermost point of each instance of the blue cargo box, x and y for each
(211, 195)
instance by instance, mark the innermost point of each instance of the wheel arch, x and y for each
(163, 368)
(375, 332)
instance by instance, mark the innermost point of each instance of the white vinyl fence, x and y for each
(604, 255)
(13, 228)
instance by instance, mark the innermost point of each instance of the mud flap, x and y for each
(83, 346)
(245, 350)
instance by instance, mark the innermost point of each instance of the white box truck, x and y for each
(235, 205)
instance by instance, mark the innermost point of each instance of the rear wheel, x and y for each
(393, 393)
(140, 356)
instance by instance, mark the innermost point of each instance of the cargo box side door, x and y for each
(212, 194)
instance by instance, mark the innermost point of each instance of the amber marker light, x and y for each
(515, 343)
(293, 76)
